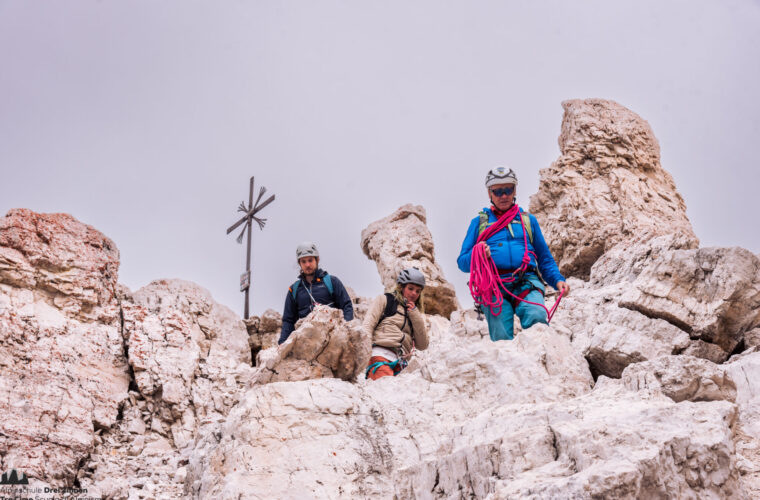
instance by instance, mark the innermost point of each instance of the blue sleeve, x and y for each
(546, 264)
(289, 317)
(465, 255)
(342, 299)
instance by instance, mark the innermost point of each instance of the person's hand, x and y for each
(410, 305)
(563, 287)
(487, 249)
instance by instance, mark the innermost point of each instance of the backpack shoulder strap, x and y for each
(391, 306)
(294, 288)
(525, 217)
(528, 227)
(483, 222)
(328, 282)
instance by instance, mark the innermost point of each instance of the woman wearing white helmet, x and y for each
(396, 323)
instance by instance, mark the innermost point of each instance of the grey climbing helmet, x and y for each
(306, 249)
(500, 175)
(411, 275)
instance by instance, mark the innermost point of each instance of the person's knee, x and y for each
(381, 372)
(533, 315)
(379, 367)
(501, 328)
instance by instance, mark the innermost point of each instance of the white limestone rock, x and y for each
(618, 444)
(752, 338)
(123, 465)
(624, 262)
(402, 240)
(322, 345)
(469, 323)
(647, 300)
(63, 373)
(264, 331)
(191, 362)
(712, 293)
(70, 265)
(745, 372)
(681, 378)
(329, 438)
(607, 187)
(516, 420)
(189, 354)
(612, 337)
(360, 304)
(271, 322)
(705, 350)
(541, 364)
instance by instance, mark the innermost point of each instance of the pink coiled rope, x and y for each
(486, 283)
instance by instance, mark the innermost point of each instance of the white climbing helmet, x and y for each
(500, 175)
(411, 275)
(307, 249)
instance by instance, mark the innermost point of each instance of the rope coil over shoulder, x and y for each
(485, 282)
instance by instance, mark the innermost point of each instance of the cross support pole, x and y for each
(250, 211)
(248, 252)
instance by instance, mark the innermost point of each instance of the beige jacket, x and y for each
(389, 333)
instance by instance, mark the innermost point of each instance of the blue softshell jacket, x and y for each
(507, 251)
(302, 305)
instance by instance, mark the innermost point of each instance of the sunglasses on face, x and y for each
(503, 191)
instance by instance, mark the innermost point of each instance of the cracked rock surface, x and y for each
(682, 378)
(331, 438)
(322, 345)
(652, 299)
(63, 373)
(263, 331)
(607, 187)
(611, 336)
(470, 419)
(188, 353)
(190, 358)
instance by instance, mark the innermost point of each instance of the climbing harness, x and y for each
(485, 281)
(402, 362)
(391, 364)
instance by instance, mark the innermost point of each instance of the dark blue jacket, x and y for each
(507, 251)
(303, 304)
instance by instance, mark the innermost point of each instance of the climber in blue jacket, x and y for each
(507, 249)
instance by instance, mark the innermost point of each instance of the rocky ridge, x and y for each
(607, 187)
(63, 368)
(621, 397)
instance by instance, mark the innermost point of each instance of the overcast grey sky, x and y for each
(146, 119)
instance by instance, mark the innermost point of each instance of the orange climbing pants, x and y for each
(382, 371)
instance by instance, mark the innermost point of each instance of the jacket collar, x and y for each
(319, 273)
(490, 212)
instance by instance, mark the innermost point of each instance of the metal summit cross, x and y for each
(250, 215)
